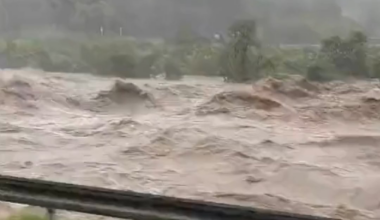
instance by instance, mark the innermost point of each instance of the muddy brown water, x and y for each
(289, 147)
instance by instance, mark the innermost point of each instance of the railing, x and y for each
(126, 204)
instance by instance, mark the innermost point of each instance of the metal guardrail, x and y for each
(127, 204)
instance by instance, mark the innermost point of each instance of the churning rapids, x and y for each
(287, 145)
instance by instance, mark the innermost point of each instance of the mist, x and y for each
(278, 21)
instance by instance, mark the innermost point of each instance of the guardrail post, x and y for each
(50, 214)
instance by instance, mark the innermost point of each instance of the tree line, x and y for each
(286, 21)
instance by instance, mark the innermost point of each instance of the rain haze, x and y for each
(280, 21)
(272, 104)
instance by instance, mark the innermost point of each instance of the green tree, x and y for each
(236, 59)
(348, 55)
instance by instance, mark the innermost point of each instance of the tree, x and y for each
(235, 60)
(348, 55)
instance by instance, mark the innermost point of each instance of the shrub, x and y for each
(122, 65)
(202, 60)
(349, 56)
(315, 73)
(147, 66)
(110, 58)
(172, 69)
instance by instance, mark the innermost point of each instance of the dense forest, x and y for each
(285, 21)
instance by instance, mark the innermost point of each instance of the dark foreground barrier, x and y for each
(127, 204)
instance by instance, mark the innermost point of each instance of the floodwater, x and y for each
(285, 145)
